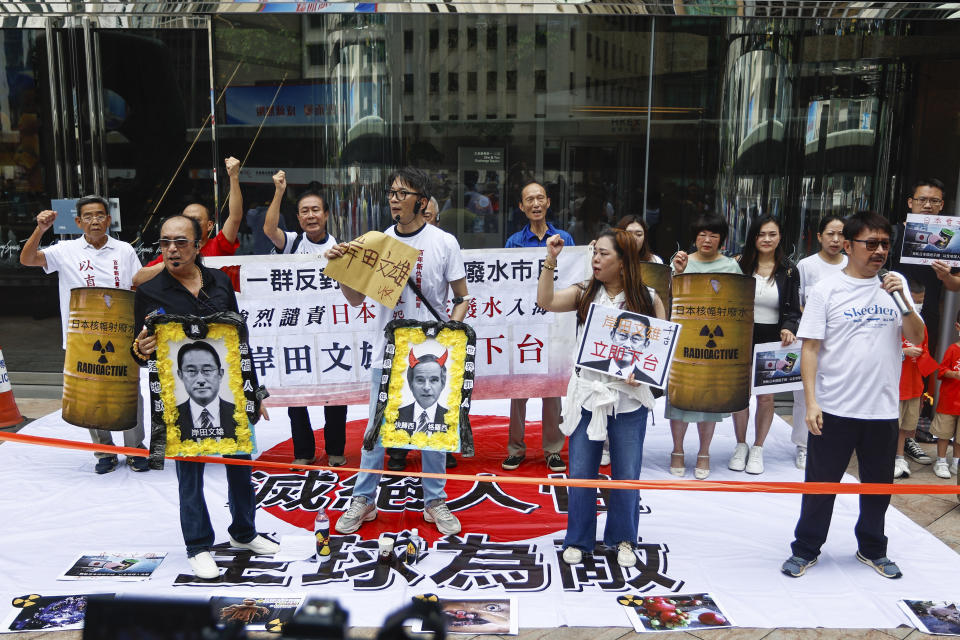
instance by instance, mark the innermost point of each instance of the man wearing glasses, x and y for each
(852, 323)
(93, 260)
(534, 203)
(439, 271)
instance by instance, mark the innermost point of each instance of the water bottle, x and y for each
(321, 531)
(414, 547)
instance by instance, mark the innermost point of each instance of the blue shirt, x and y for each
(526, 238)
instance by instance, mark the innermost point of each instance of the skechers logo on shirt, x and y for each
(857, 314)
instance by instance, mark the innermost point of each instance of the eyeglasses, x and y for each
(93, 217)
(179, 243)
(401, 194)
(873, 243)
(534, 199)
(206, 372)
(936, 202)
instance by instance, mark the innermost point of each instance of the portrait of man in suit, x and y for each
(205, 414)
(426, 378)
(625, 342)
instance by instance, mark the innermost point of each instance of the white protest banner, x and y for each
(931, 237)
(776, 368)
(309, 346)
(619, 342)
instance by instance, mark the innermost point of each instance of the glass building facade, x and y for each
(666, 109)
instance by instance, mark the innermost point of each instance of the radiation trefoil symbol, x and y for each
(716, 333)
(104, 349)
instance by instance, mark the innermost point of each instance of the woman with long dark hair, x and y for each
(636, 225)
(598, 405)
(776, 316)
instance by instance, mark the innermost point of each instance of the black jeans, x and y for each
(334, 431)
(875, 443)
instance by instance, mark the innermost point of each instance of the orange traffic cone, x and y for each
(9, 414)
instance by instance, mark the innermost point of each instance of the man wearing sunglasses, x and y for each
(93, 260)
(439, 272)
(851, 330)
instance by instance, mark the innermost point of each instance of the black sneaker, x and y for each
(511, 463)
(138, 463)
(397, 460)
(555, 462)
(451, 461)
(106, 465)
(915, 452)
(925, 437)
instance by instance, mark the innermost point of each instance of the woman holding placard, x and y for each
(598, 405)
(776, 316)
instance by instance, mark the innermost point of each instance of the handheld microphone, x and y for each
(905, 309)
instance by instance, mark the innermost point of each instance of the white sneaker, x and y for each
(801, 460)
(755, 461)
(203, 566)
(738, 461)
(572, 555)
(900, 468)
(605, 459)
(940, 469)
(357, 513)
(439, 514)
(625, 555)
(259, 545)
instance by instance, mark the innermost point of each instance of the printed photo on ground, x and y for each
(677, 612)
(115, 566)
(35, 612)
(941, 617)
(256, 614)
(479, 616)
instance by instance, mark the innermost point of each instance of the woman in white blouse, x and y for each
(597, 404)
(776, 316)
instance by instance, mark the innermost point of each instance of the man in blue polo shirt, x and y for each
(534, 203)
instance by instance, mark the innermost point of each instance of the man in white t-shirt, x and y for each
(439, 269)
(825, 263)
(852, 323)
(93, 260)
(312, 214)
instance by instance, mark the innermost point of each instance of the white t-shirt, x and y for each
(813, 269)
(766, 301)
(858, 370)
(439, 264)
(79, 264)
(305, 246)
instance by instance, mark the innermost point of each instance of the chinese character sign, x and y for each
(620, 343)
(424, 399)
(202, 396)
(931, 237)
(377, 265)
(711, 368)
(776, 368)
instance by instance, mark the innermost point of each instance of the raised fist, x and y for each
(233, 167)
(45, 219)
(280, 180)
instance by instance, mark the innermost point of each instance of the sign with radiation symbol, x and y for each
(630, 601)
(323, 544)
(427, 597)
(275, 625)
(25, 601)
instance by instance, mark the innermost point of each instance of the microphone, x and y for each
(905, 309)
(175, 263)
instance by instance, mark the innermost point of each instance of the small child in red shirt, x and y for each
(946, 424)
(917, 364)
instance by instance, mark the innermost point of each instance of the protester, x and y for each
(710, 232)
(825, 263)
(93, 260)
(534, 203)
(852, 323)
(224, 243)
(917, 364)
(312, 214)
(186, 287)
(442, 271)
(431, 214)
(946, 424)
(598, 405)
(637, 226)
(776, 316)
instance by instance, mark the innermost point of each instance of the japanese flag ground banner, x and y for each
(424, 398)
(310, 347)
(204, 398)
(619, 343)
(931, 237)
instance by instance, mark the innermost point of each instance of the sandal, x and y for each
(677, 471)
(701, 474)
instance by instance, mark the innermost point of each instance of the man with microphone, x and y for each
(855, 317)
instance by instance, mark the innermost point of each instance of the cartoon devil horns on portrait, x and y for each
(414, 361)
